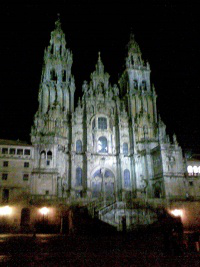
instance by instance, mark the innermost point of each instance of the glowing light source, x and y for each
(5, 210)
(177, 213)
(190, 169)
(44, 211)
(195, 169)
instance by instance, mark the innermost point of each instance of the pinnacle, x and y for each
(99, 56)
(58, 23)
(133, 45)
(100, 65)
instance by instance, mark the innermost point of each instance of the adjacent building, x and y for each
(16, 159)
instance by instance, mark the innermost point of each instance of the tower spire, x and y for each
(57, 80)
(58, 23)
(99, 77)
(100, 66)
(133, 46)
(134, 57)
(99, 56)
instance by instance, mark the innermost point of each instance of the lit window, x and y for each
(27, 152)
(4, 176)
(5, 164)
(12, 151)
(26, 164)
(195, 170)
(125, 149)
(19, 151)
(102, 145)
(4, 150)
(78, 146)
(25, 177)
(102, 123)
(78, 177)
(190, 170)
(127, 180)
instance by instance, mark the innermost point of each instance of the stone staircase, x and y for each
(124, 215)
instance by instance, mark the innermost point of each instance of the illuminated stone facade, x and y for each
(112, 145)
(16, 160)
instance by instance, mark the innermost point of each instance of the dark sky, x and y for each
(167, 32)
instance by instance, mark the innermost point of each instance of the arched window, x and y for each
(132, 60)
(111, 125)
(125, 149)
(93, 124)
(157, 192)
(127, 180)
(144, 85)
(78, 146)
(108, 174)
(25, 217)
(52, 48)
(78, 176)
(49, 155)
(92, 109)
(64, 76)
(145, 129)
(102, 145)
(96, 188)
(43, 154)
(135, 84)
(53, 75)
(102, 123)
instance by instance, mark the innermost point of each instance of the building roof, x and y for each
(13, 143)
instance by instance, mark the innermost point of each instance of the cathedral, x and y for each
(111, 146)
(109, 153)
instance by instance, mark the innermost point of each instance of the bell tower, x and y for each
(140, 98)
(136, 88)
(57, 83)
(51, 132)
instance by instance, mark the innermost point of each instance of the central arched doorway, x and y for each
(102, 184)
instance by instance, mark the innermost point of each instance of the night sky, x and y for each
(168, 35)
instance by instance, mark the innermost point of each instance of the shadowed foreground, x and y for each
(139, 249)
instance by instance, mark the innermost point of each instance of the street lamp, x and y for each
(44, 211)
(177, 212)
